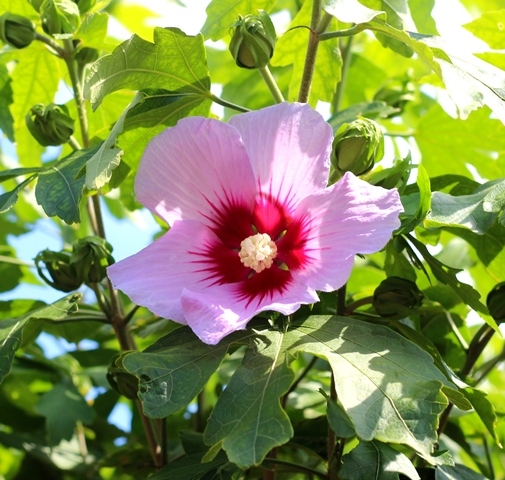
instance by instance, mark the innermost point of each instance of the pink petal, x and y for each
(218, 310)
(156, 276)
(190, 171)
(347, 218)
(289, 148)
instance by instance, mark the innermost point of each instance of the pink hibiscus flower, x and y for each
(253, 225)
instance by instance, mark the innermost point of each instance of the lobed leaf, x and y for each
(175, 61)
(489, 27)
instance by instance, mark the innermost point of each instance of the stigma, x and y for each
(258, 252)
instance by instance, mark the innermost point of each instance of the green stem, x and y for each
(346, 62)
(358, 303)
(74, 143)
(226, 104)
(57, 49)
(343, 33)
(271, 84)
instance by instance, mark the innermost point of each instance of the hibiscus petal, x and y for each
(289, 148)
(219, 310)
(156, 276)
(347, 218)
(192, 170)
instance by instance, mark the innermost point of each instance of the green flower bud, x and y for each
(121, 380)
(58, 264)
(16, 30)
(59, 16)
(357, 146)
(396, 296)
(50, 125)
(496, 302)
(396, 93)
(253, 41)
(90, 257)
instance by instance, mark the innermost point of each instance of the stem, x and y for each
(346, 62)
(74, 143)
(358, 303)
(343, 33)
(271, 84)
(227, 104)
(297, 467)
(57, 50)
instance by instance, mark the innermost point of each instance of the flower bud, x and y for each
(396, 296)
(253, 41)
(58, 264)
(16, 30)
(50, 125)
(357, 146)
(90, 258)
(59, 16)
(496, 302)
(396, 93)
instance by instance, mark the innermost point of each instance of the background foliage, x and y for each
(397, 382)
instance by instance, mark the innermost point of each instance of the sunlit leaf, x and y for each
(457, 472)
(175, 61)
(6, 120)
(93, 30)
(490, 27)
(221, 15)
(376, 461)
(363, 356)
(477, 212)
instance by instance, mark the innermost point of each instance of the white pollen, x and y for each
(258, 252)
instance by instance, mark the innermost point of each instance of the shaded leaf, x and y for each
(417, 206)
(447, 276)
(9, 199)
(363, 109)
(16, 172)
(248, 420)
(457, 472)
(58, 190)
(376, 461)
(364, 359)
(339, 421)
(6, 120)
(477, 212)
(221, 15)
(164, 368)
(63, 406)
(11, 329)
(175, 61)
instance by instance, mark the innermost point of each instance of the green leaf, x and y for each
(8, 199)
(457, 472)
(248, 419)
(10, 272)
(6, 120)
(421, 202)
(363, 109)
(477, 212)
(175, 61)
(11, 329)
(164, 368)
(58, 190)
(364, 358)
(63, 406)
(291, 50)
(484, 409)
(16, 172)
(93, 30)
(100, 166)
(490, 27)
(448, 144)
(376, 461)
(447, 276)
(221, 15)
(422, 16)
(351, 11)
(338, 419)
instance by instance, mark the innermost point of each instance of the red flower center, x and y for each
(235, 223)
